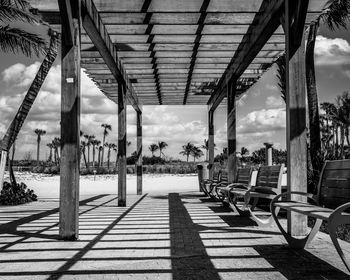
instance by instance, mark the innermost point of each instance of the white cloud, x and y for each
(332, 51)
(273, 101)
(262, 121)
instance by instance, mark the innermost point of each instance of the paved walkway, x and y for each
(175, 236)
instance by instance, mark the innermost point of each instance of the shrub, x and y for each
(39, 169)
(16, 194)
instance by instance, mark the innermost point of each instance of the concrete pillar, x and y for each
(268, 153)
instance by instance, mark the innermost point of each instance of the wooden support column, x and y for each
(296, 121)
(139, 152)
(121, 145)
(231, 130)
(70, 120)
(211, 143)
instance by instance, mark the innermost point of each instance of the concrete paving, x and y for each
(173, 236)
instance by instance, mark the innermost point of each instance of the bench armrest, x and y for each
(285, 194)
(238, 186)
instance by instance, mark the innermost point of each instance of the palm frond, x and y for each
(13, 11)
(19, 41)
(336, 14)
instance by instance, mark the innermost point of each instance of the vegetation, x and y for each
(39, 133)
(14, 194)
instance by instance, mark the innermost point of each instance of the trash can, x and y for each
(203, 173)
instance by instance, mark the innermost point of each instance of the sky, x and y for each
(260, 112)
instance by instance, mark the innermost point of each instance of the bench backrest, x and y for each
(334, 183)
(224, 176)
(269, 179)
(217, 175)
(244, 175)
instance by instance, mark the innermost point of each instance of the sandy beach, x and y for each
(47, 186)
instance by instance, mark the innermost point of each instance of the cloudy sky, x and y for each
(260, 113)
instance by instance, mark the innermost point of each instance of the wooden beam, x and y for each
(211, 143)
(121, 146)
(231, 131)
(296, 112)
(98, 34)
(265, 23)
(139, 152)
(70, 122)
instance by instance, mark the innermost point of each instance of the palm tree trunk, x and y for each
(16, 124)
(103, 148)
(342, 140)
(38, 151)
(88, 154)
(336, 140)
(312, 99)
(93, 155)
(108, 157)
(188, 157)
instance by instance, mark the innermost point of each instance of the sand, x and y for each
(47, 186)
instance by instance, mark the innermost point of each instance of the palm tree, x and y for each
(56, 142)
(50, 145)
(100, 149)
(109, 146)
(94, 143)
(39, 133)
(115, 148)
(153, 148)
(334, 15)
(89, 138)
(106, 128)
(161, 146)
(16, 40)
(206, 148)
(17, 122)
(196, 152)
(83, 145)
(187, 150)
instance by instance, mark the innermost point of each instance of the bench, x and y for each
(330, 204)
(223, 182)
(267, 186)
(208, 185)
(242, 181)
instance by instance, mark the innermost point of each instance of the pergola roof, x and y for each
(174, 52)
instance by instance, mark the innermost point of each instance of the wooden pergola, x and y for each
(176, 52)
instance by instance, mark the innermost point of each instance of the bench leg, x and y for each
(261, 222)
(297, 243)
(337, 218)
(233, 199)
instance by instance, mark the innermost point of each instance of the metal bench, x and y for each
(208, 185)
(330, 204)
(242, 181)
(267, 186)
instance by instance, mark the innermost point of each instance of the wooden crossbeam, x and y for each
(95, 28)
(265, 23)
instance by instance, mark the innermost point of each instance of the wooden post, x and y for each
(296, 126)
(231, 130)
(121, 145)
(211, 143)
(2, 167)
(139, 152)
(70, 121)
(268, 153)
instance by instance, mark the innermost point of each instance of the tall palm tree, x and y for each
(56, 142)
(110, 146)
(334, 15)
(161, 146)
(83, 145)
(196, 152)
(187, 150)
(50, 145)
(32, 92)
(153, 148)
(39, 133)
(94, 143)
(89, 138)
(106, 128)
